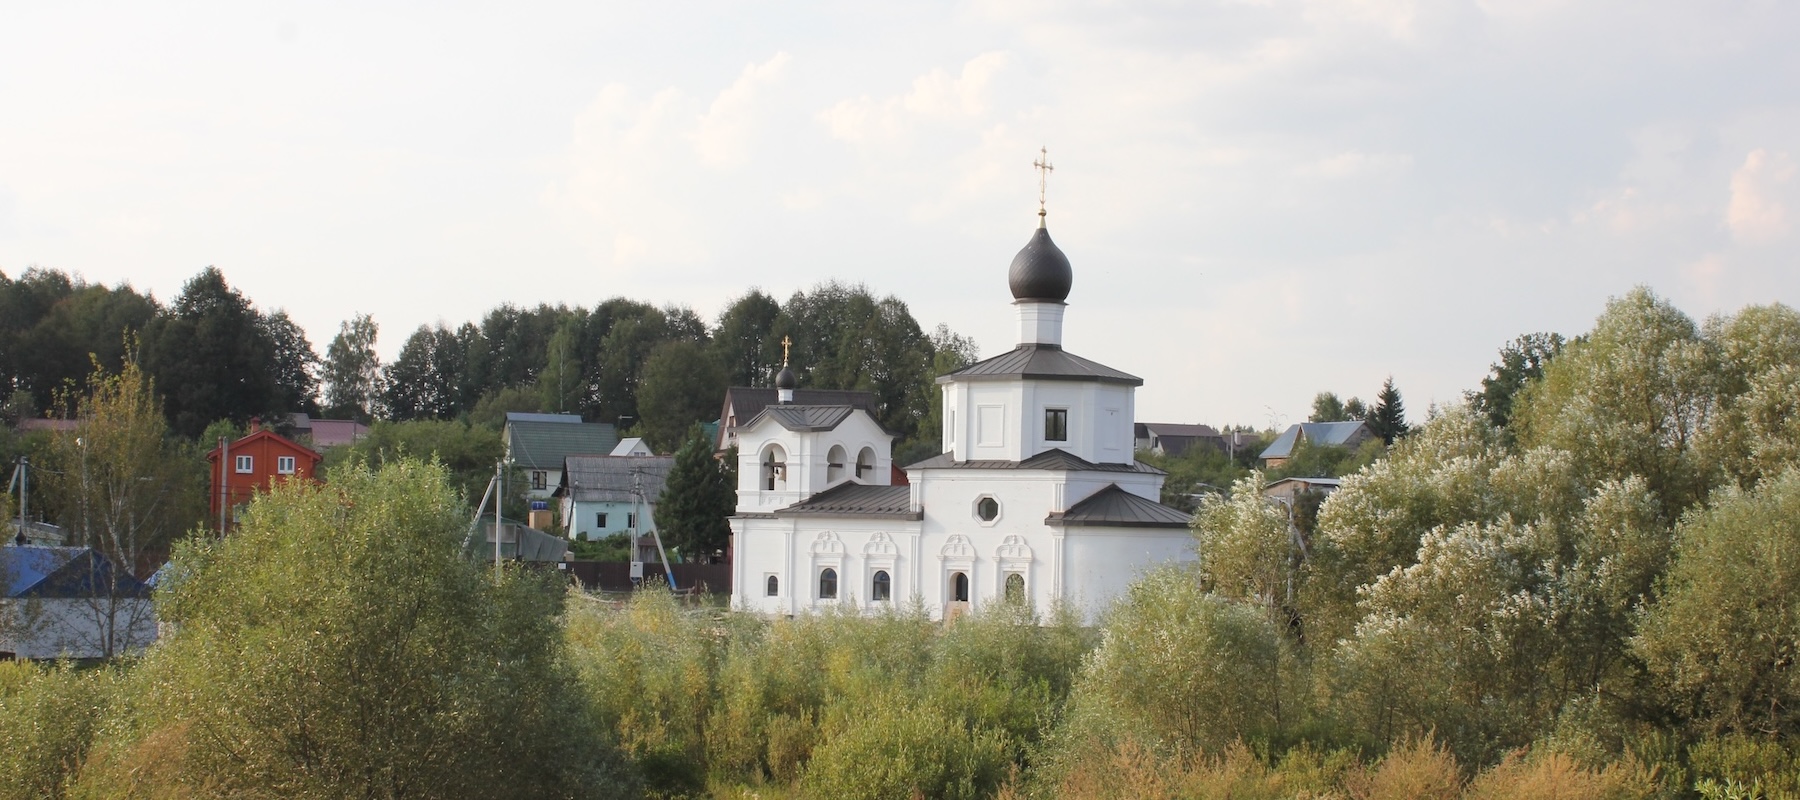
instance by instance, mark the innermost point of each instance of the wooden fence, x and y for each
(615, 576)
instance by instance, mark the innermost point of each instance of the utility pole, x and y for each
(22, 477)
(637, 519)
(499, 503)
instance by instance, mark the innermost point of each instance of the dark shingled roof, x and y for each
(1113, 507)
(804, 418)
(538, 444)
(857, 500)
(1042, 362)
(1053, 458)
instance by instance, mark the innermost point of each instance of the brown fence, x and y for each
(615, 576)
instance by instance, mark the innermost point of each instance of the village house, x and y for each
(540, 444)
(254, 463)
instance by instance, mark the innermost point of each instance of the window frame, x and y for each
(244, 465)
(832, 574)
(881, 586)
(771, 585)
(286, 465)
(540, 479)
(1056, 424)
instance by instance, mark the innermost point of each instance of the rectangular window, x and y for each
(246, 464)
(1056, 424)
(600, 520)
(630, 520)
(284, 465)
(539, 479)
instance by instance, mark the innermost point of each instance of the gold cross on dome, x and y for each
(785, 344)
(1044, 169)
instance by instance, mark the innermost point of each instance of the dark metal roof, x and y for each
(610, 479)
(1040, 271)
(743, 403)
(535, 444)
(1042, 362)
(1113, 507)
(1176, 429)
(1052, 459)
(857, 500)
(804, 418)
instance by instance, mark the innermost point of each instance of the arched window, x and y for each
(1015, 588)
(865, 464)
(828, 584)
(959, 587)
(774, 586)
(774, 468)
(835, 463)
(883, 588)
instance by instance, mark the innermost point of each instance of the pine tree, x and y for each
(1388, 418)
(698, 499)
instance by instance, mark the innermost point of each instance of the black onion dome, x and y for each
(1040, 271)
(786, 379)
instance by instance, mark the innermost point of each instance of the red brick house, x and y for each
(255, 462)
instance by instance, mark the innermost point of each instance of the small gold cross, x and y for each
(785, 343)
(1044, 169)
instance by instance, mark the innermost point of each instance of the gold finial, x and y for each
(785, 343)
(1044, 169)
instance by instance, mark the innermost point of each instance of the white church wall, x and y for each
(796, 551)
(1102, 563)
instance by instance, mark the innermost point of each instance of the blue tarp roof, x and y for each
(62, 572)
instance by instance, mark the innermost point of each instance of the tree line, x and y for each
(655, 370)
(1590, 595)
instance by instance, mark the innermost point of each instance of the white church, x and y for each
(1037, 498)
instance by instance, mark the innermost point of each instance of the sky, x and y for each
(1261, 200)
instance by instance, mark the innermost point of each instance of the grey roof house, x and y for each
(1317, 434)
(604, 495)
(1174, 439)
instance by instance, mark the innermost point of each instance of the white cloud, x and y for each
(1761, 190)
(723, 135)
(1357, 165)
(936, 95)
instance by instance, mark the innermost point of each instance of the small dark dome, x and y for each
(785, 379)
(1040, 271)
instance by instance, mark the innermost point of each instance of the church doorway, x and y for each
(959, 587)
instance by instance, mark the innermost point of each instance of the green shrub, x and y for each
(49, 717)
(880, 747)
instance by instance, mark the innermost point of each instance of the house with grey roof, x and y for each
(1347, 435)
(604, 495)
(325, 433)
(540, 444)
(1175, 439)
